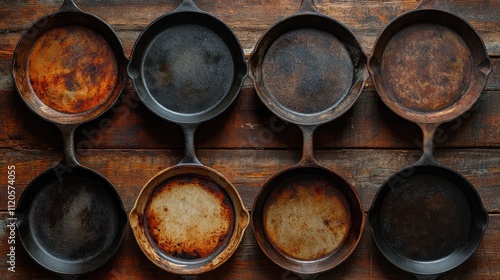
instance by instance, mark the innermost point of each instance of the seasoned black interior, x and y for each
(427, 219)
(71, 223)
(187, 67)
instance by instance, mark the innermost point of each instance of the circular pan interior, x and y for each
(427, 219)
(188, 219)
(71, 223)
(307, 219)
(69, 67)
(432, 80)
(187, 67)
(308, 69)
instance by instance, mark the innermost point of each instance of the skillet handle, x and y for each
(308, 146)
(68, 132)
(307, 6)
(189, 150)
(428, 130)
(69, 6)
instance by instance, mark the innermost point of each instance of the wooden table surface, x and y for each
(247, 144)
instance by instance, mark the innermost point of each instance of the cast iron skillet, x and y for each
(188, 67)
(69, 67)
(429, 67)
(308, 69)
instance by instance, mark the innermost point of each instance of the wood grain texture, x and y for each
(249, 262)
(250, 18)
(247, 144)
(249, 169)
(248, 124)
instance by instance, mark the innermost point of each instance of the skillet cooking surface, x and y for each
(72, 69)
(425, 217)
(73, 223)
(307, 71)
(307, 217)
(189, 218)
(73, 219)
(427, 67)
(188, 69)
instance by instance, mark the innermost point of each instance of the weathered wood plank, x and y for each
(366, 18)
(249, 262)
(248, 124)
(248, 170)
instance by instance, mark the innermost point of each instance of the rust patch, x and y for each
(427, 67)
(306, 217)
(72, 69)
(189, 218)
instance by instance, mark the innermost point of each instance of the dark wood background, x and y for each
(247, 144)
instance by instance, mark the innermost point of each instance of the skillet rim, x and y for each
(25, 206)
(83, 19)
(281, 27)
(480, 72)
(311, 266)
(140, 47)
(136, 220)
(477, 211)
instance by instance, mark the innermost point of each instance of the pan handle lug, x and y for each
(189, 150)
(20, 218)
(187, 5)
(308, 146)
(428, 130)
(307, 6)
(245, 217)
(485, 67)
(69, 6)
